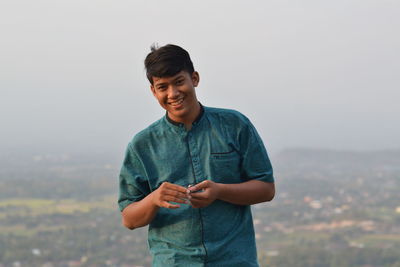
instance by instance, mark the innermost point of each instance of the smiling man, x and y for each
(193, 174)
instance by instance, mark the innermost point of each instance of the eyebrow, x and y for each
(173, 80)
(160, 84)
(177, 78)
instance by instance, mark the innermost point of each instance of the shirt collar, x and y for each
(181, 124)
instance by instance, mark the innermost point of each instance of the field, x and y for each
(327, 212)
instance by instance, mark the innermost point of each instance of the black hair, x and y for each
(166, 61)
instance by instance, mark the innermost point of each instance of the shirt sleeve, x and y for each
(255, 160)
(133, 185)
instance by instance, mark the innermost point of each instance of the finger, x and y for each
(175, 199)
(199, 196)
(174, 193)
(196, 204)
(199, 186)
(196, 201)
(168, 205)
(176, 187)
(199, 204)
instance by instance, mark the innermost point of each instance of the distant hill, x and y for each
(324, 158)
(332, 208)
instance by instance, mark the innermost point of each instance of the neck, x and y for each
(188, 121)
(193, 116)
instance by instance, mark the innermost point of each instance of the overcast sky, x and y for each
(320, 74)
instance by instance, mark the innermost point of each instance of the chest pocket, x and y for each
(225, 167)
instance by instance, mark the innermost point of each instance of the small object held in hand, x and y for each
(197, 191)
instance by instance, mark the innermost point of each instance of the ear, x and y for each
(195, 78)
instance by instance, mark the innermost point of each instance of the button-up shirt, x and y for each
(223, 146)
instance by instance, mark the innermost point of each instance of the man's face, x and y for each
(177, 95)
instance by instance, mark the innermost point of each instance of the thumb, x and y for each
(199, 186)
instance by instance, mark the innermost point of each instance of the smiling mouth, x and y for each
(177, 102)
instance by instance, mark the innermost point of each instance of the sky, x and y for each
(314, 74)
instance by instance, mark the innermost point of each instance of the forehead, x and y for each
(160, 80)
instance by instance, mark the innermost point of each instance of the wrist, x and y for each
(153, 200)
(218, 190)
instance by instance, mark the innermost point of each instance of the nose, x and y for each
(173, 92)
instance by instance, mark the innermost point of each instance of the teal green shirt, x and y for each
(222, 146)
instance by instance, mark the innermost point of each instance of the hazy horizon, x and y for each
(308, 74)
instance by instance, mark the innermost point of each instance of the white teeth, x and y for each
(176, 102)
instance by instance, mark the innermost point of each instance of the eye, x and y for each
(179, 82)
(161, 88)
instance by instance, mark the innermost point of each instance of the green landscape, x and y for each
(332, 208)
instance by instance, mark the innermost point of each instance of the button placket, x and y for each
(198, 177)
(195, 158)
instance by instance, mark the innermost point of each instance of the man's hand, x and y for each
(208, 192)
(167, 193)
(246, 193)
(141, 213)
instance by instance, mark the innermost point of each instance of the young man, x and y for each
(192, 175)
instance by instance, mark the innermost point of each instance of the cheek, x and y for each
(159, 98)
(162, 100)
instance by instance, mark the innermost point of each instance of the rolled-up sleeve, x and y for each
(255, 160)
(133, 185)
